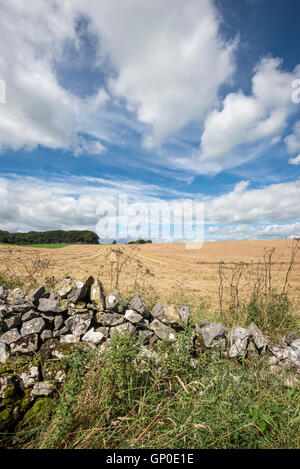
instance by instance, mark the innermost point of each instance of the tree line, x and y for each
(140, 241)
(50, 237)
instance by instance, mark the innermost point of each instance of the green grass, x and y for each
(120, 400)
(46, 246)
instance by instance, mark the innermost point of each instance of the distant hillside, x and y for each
(50, 237)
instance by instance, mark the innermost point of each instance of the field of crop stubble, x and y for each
(237, 404)
(166, 271)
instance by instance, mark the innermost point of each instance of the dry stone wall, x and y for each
(49, 323)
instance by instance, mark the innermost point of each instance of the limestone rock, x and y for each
(81, 291)
(93, 337)
(29, 376)
(103, 330)
(289, 337)
(63, 331)
(125, 328)
(50, 349)
(213, 334)
(20, 307)
(79, 307)
(34, 326)
(114, 302)
(4, 311)
(60, 376)
(202, 323)
(291, 381)
(69, 339)
(4, 351)
(281, 352)
(145, 336)
(6, 386)
(110, 319)
(46, 335)
(138, 305)
(80, 323)
(42, 389)
(58, 321)
(162, 331)
(11, 336)
(64, 305)
(4, 291)
(258, 338)
(49, 305)
(31, 314)
(13, 321)
(171, 314)
(153, 340)
(53, 369)
(272, 361)
(238, 342)
(184, 313)
(35, 295)
(49, 318)
(133, 317)
(295, 345)
(295, 352)
(25, 346)
(16, 296)
(97, 295)
(282, 370)
(165, 313)
(65, 288)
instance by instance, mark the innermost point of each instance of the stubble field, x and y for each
(210, 402)
(165, 271)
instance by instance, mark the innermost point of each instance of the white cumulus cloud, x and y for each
(38, 110)
(164, 63)
(248, 119)
(276, 203)
(295, 161)
(169, 58)
(292, 141)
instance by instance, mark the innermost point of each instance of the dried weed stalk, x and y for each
(251, 291)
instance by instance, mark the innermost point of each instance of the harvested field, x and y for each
(160, 271)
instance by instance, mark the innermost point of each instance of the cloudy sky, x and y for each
(159, 100)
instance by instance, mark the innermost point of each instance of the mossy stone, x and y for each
(53, 345)
(34, 416)
(5, 419)
(51, 367)
(18, 364)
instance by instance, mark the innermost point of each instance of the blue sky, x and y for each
(165, 102)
